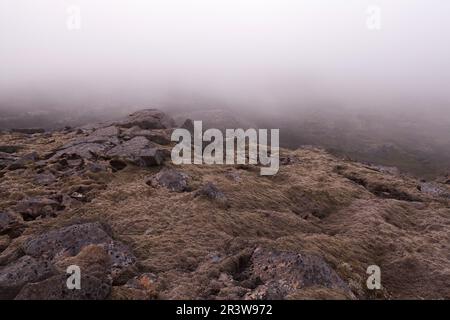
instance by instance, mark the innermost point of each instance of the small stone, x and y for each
(170, 179)
(210, 191)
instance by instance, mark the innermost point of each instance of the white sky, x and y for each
(241, 48)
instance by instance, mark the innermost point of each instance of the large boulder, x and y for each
(94, 263)
(25, 270)
(68, 240)
(283, 274)
(148, 119)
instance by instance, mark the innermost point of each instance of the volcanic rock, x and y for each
(171, 179)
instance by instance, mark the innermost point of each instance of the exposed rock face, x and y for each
(171, 179)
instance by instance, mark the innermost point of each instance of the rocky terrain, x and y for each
(106, 197)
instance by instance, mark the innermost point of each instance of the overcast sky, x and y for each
(267, 52)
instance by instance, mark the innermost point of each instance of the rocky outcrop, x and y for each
(137, 139)
(147, 119)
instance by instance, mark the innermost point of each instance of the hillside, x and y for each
(107, 198)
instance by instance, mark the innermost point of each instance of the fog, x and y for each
(262, 55)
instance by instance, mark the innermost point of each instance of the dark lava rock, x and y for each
(10, 225)
(69, 239)
(17, 165)
(83, 150)
(10, 148)
(434, 189)
(188, 125)
(284, 273)
(148, 119)
(32, 208)
(123, 261)
(31, 157)
(171, 179)
(152, 135)
(210, 191)
(55, 288)
(25, 270)
(6, 159)
(44, 179)
(139, 151)
(96, 167)
(117, 164)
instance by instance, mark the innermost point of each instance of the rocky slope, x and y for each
(106, 197)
